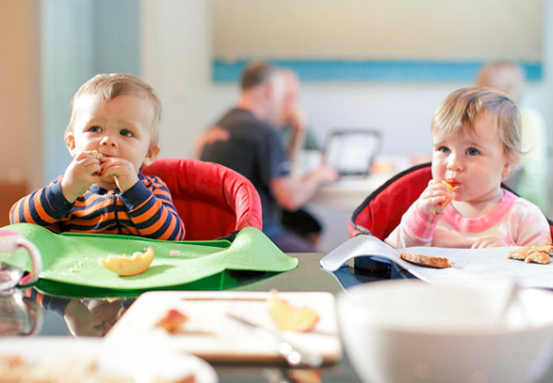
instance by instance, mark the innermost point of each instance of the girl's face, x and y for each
(475, 162)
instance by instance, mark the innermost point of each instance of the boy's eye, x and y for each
(94, 128)
(126, 133)
(473, 151)
(443, 149)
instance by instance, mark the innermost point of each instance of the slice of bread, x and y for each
(426, 260)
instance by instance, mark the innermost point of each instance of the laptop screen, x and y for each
(352, 151)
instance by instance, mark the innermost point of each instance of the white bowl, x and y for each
(408, 331)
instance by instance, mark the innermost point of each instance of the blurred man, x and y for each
(247, 139)
(531, 181)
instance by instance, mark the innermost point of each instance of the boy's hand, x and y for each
(433, 197)
(119, 171)
(82, 172)
(80, 321)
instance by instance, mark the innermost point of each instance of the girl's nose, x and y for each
(454, 164)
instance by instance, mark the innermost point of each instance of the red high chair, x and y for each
(212, 200)
(382, 210)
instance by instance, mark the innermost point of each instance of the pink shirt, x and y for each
(516, 220)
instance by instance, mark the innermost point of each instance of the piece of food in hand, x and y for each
(532, 254)
(97, 155)
(290, 318)
(426, 260)
(172, 320)
(451, 189)
(94, 153)
(127, 266)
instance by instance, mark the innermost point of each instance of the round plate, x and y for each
(138, 360)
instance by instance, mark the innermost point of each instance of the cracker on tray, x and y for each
(426, 260)
(532, 254)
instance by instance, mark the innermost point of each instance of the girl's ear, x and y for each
(70, 143)
(507, 170)
(152, 154)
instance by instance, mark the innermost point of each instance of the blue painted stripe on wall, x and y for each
(371, 70)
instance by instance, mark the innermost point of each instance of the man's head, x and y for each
(504, 76)
(291, 91)
(116, 115)
(262, 86)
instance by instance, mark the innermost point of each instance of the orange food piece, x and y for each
(451, 189)
(290, 318)
(305, 375)
(448, 185)
(172, 320)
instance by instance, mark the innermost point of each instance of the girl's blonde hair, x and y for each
(456, 115)
(109, 86)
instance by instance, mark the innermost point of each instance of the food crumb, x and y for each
(174, 253)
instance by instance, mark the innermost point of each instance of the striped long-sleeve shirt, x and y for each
(146, 210)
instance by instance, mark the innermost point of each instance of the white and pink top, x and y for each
(518, 221)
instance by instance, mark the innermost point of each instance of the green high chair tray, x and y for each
(71, 265)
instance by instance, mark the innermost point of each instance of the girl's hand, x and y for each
(119, 171)
(491, 241)
(434, 198)
(82, 172)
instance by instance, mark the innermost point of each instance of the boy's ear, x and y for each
(152, 154)
(70, 143)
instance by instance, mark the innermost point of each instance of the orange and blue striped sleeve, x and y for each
(151, 209)
(44, 207)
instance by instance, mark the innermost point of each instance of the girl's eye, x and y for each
(126, 133)
(94, 128)
(443, 149)
(473, 151)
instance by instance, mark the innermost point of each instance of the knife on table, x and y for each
(293, 356)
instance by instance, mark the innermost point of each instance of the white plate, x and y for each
(128, 359)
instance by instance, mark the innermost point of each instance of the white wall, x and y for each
(176, 59)
(376, 29)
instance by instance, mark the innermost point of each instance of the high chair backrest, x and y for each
(212, 200)
(382, 210)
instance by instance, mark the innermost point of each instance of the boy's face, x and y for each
(476, 162)
(121, 127)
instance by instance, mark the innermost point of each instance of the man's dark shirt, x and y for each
(255, 150)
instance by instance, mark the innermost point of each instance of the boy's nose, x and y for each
(108, 141)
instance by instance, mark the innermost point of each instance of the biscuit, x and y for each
(426, 260)
(532, 254)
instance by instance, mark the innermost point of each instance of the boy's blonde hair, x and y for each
(109, 86)
(456, 115)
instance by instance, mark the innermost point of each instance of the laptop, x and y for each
(352, 151)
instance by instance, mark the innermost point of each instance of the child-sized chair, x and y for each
(212, 200)
(381, 211)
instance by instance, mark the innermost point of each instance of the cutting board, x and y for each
(212, 335)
